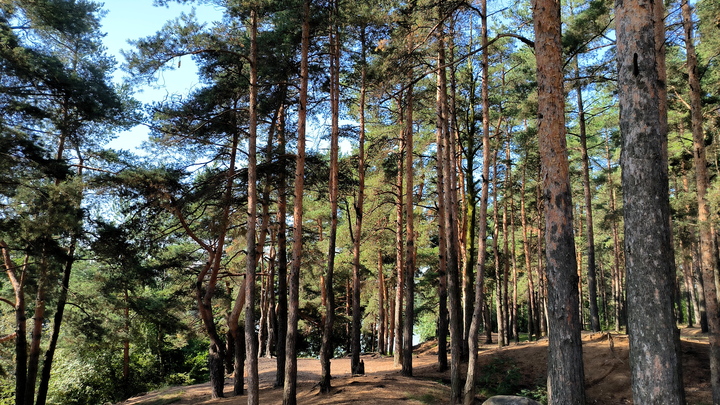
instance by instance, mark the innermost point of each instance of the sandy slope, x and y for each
(607, 376)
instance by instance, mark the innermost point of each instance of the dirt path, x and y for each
(519, 366)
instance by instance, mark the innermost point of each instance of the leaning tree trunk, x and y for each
(650, 280)
(566, 382)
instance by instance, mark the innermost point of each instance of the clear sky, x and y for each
(132, 19)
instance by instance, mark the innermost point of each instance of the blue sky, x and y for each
(132, 19)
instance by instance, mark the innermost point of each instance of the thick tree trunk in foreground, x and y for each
(650, 281)
(566, 381)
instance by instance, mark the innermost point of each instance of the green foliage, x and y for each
(164, 399)
(539, 394)
(500, 377)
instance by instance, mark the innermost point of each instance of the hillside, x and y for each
(510, 369)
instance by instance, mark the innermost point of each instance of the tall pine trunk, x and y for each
(566, 381)
(410, 240)
(282, 296)
(499, 313)
(526, 252)
(708, 249)
(443, 314)
(399, 268)
(359, 206)
(479, 309)
(326, 349)
(654, 359)
(382, 321)
(290, 388)
(251, 342)
(591, 268)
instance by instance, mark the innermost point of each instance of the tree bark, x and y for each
(443, 314)
(468, 396)
(618, 296)
(400, 278)
(499, 312)
(591, 268)
(410, 239)
(57, 322)
(18, 285)
(326, 350)
(282, 296)
(708, 250)
(566, 382)
(290, 388)
(510, 201)
(526, 251)
(359, 206)
(382, 322)
(251, 343)
(650, 281)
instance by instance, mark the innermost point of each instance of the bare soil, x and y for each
(607, 376)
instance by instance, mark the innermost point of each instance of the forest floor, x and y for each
(515, 367)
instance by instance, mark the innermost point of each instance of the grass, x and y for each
(427, 397)
(164, 399)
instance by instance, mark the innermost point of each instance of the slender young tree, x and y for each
(654, 341)
(566, 380)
